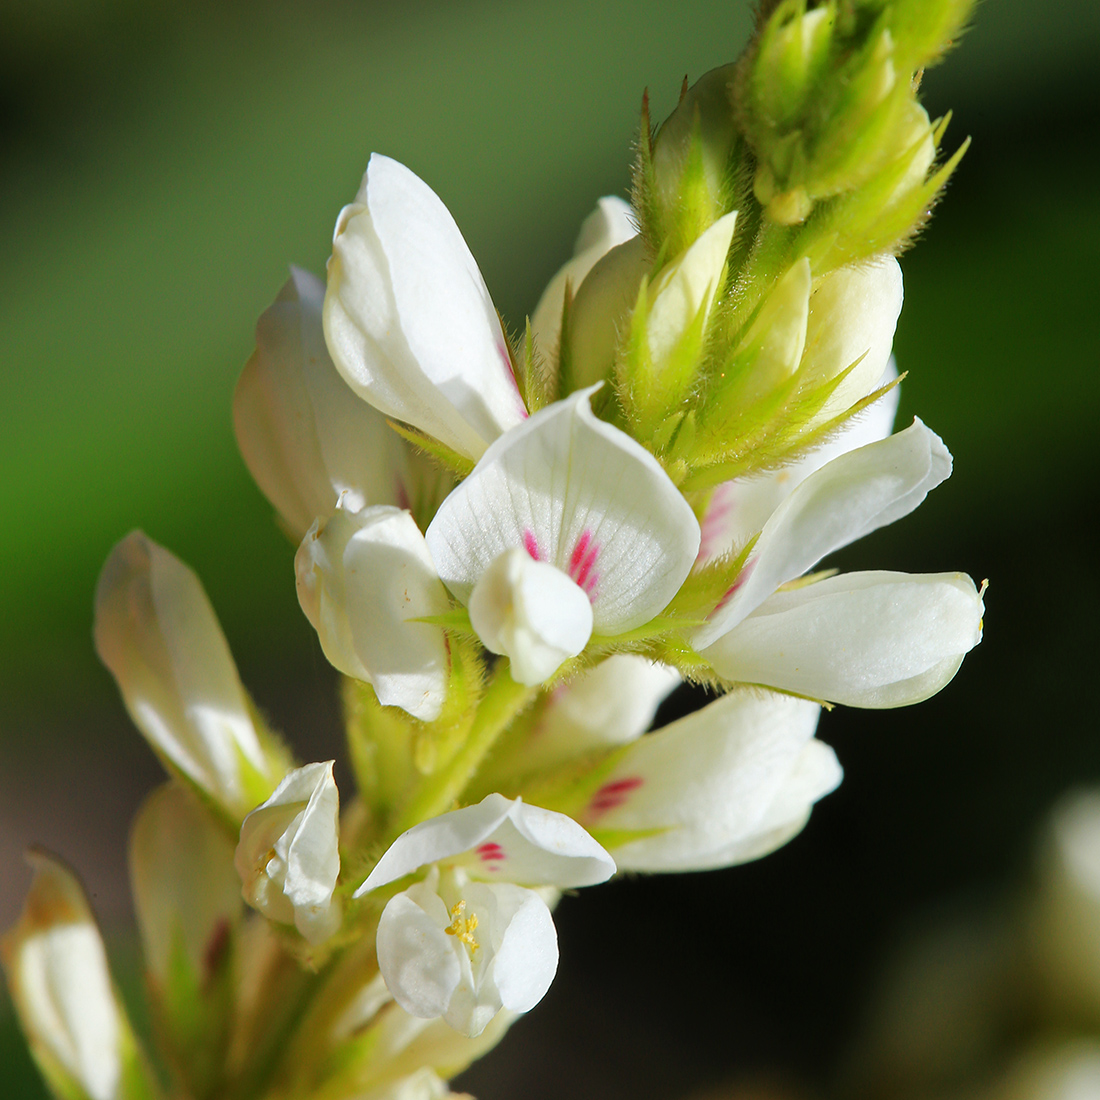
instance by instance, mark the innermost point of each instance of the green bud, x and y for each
(694, 171)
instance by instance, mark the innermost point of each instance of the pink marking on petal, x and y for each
(491, 854)
(722, 502)
(531, 544)
(581, 562)
(613, 794)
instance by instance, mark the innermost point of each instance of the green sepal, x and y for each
(450, 460)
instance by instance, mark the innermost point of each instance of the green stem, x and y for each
(502, 701)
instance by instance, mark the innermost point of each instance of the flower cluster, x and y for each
(513, 550)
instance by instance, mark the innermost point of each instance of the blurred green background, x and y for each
(159, 167)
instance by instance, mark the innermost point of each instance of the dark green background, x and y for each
(160, 167)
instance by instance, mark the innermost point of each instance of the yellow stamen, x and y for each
(463, 927)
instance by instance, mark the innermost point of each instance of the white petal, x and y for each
(609, 705)
(610, 224)
(186, 891)
(866, 639)
(846, 499)
(602, 306)
(157, 633)
(581, 495)
(709, 782)
(499, 838)
(418, 960)
(688, 287)
(408, 319)
(288, 857)
(521, 932)
(61, 987)
(305, 436)
(738, 509)
(531, 612)
(853, 312)
(363, 577)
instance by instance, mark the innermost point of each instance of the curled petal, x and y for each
(305, 436)
(157, 633)
(532, 612)
(363, 578)
(288, 857)
(408, 320)
(499, 839)
(846, 499)
(609, 225)
(723, 781)
(872, 639)
(581, 495)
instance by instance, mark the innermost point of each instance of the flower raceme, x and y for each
(633, 496)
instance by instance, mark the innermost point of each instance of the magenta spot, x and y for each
(491, 854)
(581, 562)
(613, 794)
(531, 544)
(401, 494)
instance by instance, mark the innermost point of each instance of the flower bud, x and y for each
(157, 633)
(288, 857)
(188, 901)
(602, 308)
(186, 893)
(363, 577)
(305, 436)
(853, 313)
(62, 991)
(445, 369)
(694, 164)
(609, 225)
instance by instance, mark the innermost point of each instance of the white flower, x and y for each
(362, 578)
(609, 225)
(187, 895)
(288, 857)
(724, 785)
(866, 639)
(407, 317)
(61, 987)
(582, 497)
(467, 941)
(307, 439)
(157, 633)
